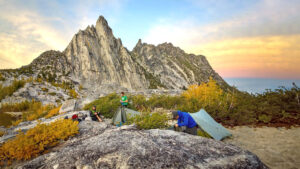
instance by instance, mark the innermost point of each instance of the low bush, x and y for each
(17, 122)
(9, 90)
(80, 87)
(1, 133)
(36, 111)
(147, 120)
(73, 93)
(16, 107)
(107, 105)
(2, 78)
(45, 89)
(203, 134)
(64, 85)
(37, 140)
(6, 119)
(31, 110)
(53, 112)
(208, 96)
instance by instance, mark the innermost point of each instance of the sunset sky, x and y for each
(240, 38)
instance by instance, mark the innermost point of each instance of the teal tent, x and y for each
(123, 113)
(209, 125)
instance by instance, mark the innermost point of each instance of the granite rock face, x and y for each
(69, 105)
(100, 145)
(99, 59)
(175, 68)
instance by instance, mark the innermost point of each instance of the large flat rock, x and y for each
(101, 145)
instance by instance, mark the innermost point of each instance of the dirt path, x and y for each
(278, 148)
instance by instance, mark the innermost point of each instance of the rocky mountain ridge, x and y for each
(96, 63)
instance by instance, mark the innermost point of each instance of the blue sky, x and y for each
(240, 38)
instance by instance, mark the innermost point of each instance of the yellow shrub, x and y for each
(73, 93)
(39, 80)
(32, 110)
(30, 79)
(37, 140)
(36, 111)
(53, 112)
(15, 123)
(1, 133)
(207, 95)
(1, 77)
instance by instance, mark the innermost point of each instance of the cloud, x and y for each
(29, 28)
(272, 56)
(265, 35)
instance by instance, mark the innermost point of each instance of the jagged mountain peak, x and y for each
(102, 27)
(99, 60)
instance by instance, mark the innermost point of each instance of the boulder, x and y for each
(69, 105)
(101, 145)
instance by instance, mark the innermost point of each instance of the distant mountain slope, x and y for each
(175, 68)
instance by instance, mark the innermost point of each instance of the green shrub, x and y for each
(52, 94)
(203, 133)
(264, 118)
(147, 120)
(165, 101)
(107, 105)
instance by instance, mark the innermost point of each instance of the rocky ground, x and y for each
(278, 148)
(101, 145)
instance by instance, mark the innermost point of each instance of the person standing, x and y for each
(124, 100)
(124, 103)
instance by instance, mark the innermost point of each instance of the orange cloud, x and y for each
(270, 56)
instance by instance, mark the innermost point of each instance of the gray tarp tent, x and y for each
(123, 113)
(209, 125)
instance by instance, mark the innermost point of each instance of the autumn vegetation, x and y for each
(149, 120)
(37, 140)
(280, 107)
(9, 90)
(32, 110)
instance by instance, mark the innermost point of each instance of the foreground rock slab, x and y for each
(100, 145)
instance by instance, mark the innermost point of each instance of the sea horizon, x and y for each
(260, 85)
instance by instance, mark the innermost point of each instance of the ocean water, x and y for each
(259, 85)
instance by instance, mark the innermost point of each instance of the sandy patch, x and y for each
(278, 148)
